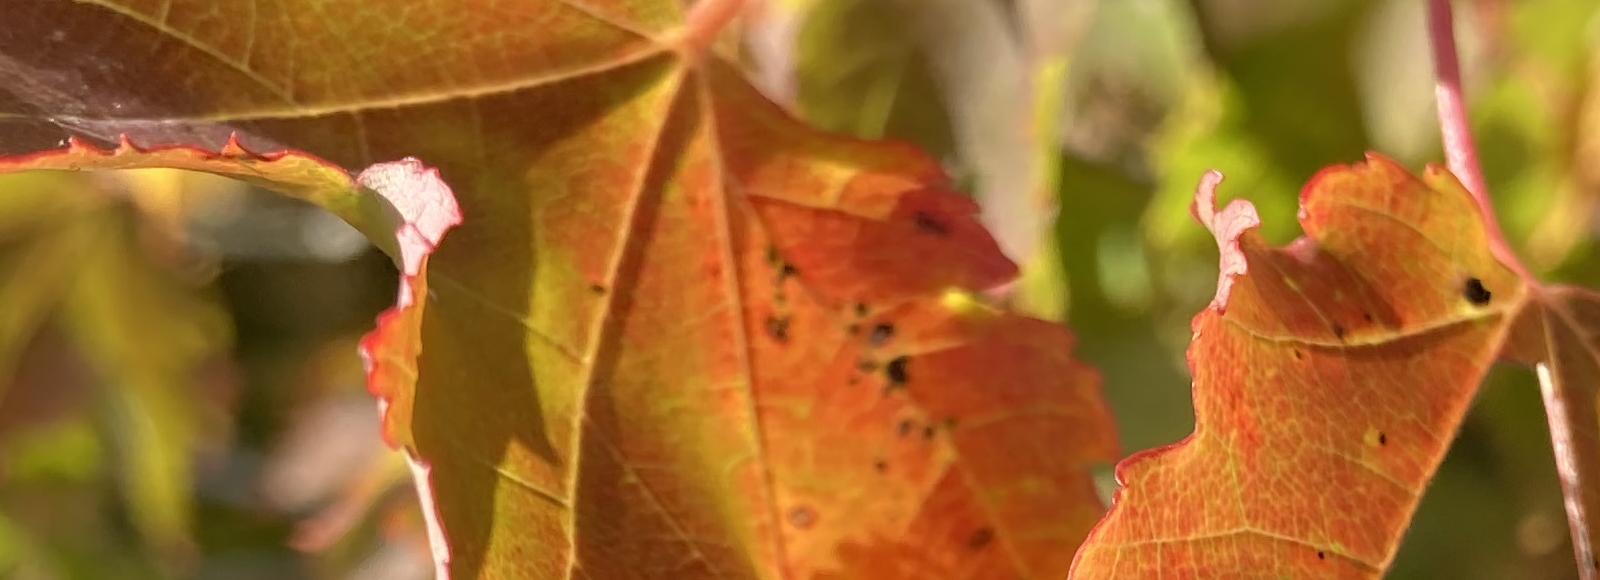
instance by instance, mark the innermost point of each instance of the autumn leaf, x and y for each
(678, 334)
(1330, 376)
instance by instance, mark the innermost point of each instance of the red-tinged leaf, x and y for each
(679, 335)
(1329, 378)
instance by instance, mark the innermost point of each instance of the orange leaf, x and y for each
(1329, 378)
(679, 335)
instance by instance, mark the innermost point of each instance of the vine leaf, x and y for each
(1330, 376)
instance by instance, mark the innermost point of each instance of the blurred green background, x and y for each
(182, 396)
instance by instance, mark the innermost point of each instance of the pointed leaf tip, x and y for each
(1226, 226)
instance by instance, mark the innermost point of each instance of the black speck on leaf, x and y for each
(896, 371)
(1321, 555)
(927, 432)
(880, 466)
(1338, 332)
(927, 223)
(597, 289)
(980, 538)
(880, 334)
(1367, 316)
(778, 328)
(1475, 292)
(788, 270)
(861, 309)
(1298, 355)
(1383, 439)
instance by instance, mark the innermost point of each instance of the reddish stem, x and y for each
(1460, 152)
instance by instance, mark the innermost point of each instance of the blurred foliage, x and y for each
(182, 397)
(138, 439)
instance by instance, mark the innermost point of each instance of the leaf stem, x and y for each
(704, 21)
(1460, 152)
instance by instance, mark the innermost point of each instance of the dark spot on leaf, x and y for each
(1338, 332)
(867, 366)
(980, 538)
(1321, 555)
(1383, 439)
(597, 289)
(880, 334)
(896, 371)
(1475, 292)
(1367, 316)
(772, 255)
(778, 328)
(851, 381)
(787, 271)
(949, 423)
(802, 516)
(1298, 355)
(905, 427)
(880, 466)
(927, 223)
(927, 432)
(861, 309)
